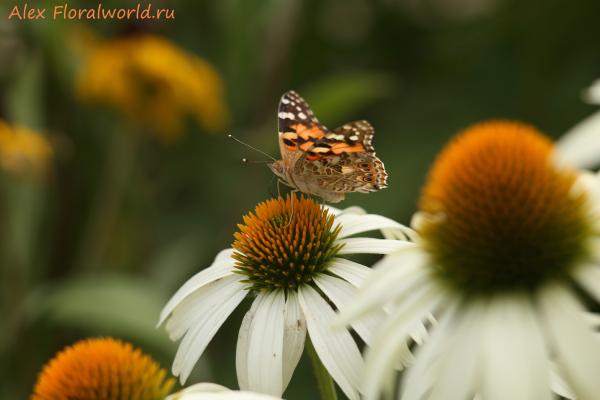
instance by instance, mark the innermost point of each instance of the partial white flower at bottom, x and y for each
(212, 391)
(504, 231)
(291, 266)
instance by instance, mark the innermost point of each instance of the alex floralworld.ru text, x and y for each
(92, 13)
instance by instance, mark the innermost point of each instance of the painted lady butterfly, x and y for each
(322, 163)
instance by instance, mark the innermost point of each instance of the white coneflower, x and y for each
(290, 266)
(212, 391)
(504, 231)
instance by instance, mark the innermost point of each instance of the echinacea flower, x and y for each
(212, 391)
(24, 152)
(153, 83)
(102, 369)
(289, 265)
(504, 230)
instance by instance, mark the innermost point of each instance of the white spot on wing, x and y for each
(285, 101)
(302, 115)
(354, 137)
(284, 115)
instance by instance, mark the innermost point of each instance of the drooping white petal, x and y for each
(243, 343)
(405, 233)
(394, 277)
(294, 335)
(336, 349)
(514, 360)
(458, 364)
(420, 377)
(341, 293)
(557, 383)
(265, 352)
(216, 311)
(221, 267)
(580, 146)
(390, 346)
(576, 345)
(193, 308)
(351, 271)
(372, 246)
(353, 224)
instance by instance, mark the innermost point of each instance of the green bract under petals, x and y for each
(274, 252)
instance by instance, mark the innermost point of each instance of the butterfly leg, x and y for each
(271, 184)
(292, 196)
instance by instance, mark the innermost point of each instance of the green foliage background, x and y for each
(418, 70)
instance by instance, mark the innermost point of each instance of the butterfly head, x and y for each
(278, 168)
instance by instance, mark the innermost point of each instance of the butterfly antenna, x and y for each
(231, 137)
(249, 161)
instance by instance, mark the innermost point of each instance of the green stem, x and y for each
(324, 381)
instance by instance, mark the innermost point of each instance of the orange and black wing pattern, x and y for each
(299, 130)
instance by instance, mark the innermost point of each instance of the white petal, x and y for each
(514, 359)
(458, 363)
(588, 277)
(372, 246)
(558, 384)
(353, 224)
(341, 293)
(351, 271)
(336, 349)
(592, 319)
(405, 233)
(577, 347)
(193, 308)
(592, 94)
(221, 267)
(580, 146)
(265, 353)
(349, 210)
(215, 312)
(420, 377)
(390, 345)
(222, 395)
(294, 334)
(243, 343)
(394, 276)
(203, 387)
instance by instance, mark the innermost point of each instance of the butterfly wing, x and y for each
(344, 160)
(299, 130)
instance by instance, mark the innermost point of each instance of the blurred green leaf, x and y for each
(25, 93)
(112, 305)
(337, 98)
(25, 203)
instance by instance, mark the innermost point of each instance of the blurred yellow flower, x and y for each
(24, 152)
(153, 83)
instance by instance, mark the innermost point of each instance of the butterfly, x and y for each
(323, 163)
